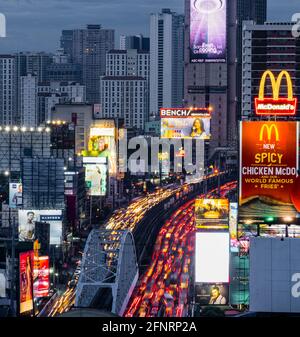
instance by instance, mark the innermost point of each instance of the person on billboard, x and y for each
(17, 197)
(98, 147)
(198, 129)
(27, 229)
(216, 298)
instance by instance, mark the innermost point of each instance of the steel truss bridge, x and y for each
(109, 271)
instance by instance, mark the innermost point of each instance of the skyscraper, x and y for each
(125, 88)
(269, 46)
(206, 79)
(8, 90)
(138, 42)
(88, 47)
(166, 60)
(217, 83)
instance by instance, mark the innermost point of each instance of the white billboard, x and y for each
(27, 224)
(15, 195)
(2, 283)
(275, 275)
(212, 258)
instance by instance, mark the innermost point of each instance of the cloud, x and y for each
(37, 24)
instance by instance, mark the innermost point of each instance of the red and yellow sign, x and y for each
(26, 282)
(276, 105)
(269, 162)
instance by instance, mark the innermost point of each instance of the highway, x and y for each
(122, 219)
(164, 288)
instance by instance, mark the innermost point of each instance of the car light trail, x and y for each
(164, 288)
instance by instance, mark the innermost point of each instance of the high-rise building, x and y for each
(63, 70)
(255, 10)
(13, 70)
(166, 60)
(33, 63)
(138, 42)
(88, 47)
(28, 100)
(8, 90)
(52, 93)
(252, 10)
(125, 88)
(269, 46)
(206, 82)
(218, 84)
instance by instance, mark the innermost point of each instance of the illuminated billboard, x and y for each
(15, 195)
(212, 258)
(211, 214)
(212, 294)
(208, 31)
(233, 224)
(276, 105)
(96, 179)
(41, 272)
(102, 143)
(26, 282)
(185, 123)
(269, 168)
(29, 219)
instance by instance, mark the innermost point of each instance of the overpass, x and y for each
(109, 271)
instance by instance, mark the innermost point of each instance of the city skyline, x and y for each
(43, 22)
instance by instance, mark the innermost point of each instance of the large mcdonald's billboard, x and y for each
(269, 168)
(276, 105)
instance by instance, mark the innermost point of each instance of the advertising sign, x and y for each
(29, 218)
(269, 168)
(185, 123)
(212, 294)
(212, 258)
(2, 283)
(96, 179)
(15, 195)
(26, 282)
(208, 31)
(212, 213)
(102, 143)
(233, 223)
(276, 105)
(41, 272)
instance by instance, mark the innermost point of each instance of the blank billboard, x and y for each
(212, 258)
(275, 275)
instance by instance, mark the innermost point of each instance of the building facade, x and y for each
(52, 93)
(166, 60)
(88, 47)
(269, 46)
(28, 100)
(138, 42)
(124, 91)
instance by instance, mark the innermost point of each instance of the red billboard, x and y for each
(41, 283)
(26, 282)
(269, 168)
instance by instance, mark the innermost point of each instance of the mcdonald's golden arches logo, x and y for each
(276, 105)
(269, 130)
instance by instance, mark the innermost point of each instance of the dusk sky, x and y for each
(35, 25)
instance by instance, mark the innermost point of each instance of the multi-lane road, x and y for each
(123, 219)
(164, 289)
